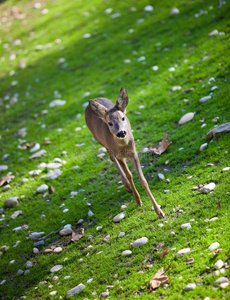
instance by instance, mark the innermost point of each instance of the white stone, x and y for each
(38, 154)
(77, 289)
(16, 214)
(57, 102)
(214, 246)
(119, 217)
(35, 250)
(126, 253)
(90, 213)
(42, 188)
(213, 33)
(203, 146)
(172, 69)
(104, 294)
(161, 176)
(219, 264)
(145, 150)
(225, 169)
(182, 252)
(56, 268)
(148, 8)
(190, 287)
(207, 188)
(155, 68)
(35, 148)
(54, 174)
(204, 99)
(58, 250)
(89, 280)
(65, 231)
(53, 165)
(34, 172)
(86, 36)
(140, 242)
(186, 225)
(29, 264)
(186, 118)
(36, 235)
(174, 11)
(53, 293)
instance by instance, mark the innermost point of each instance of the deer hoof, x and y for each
(160, 214)
(128, 190)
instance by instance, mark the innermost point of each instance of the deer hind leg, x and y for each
(122, 174)
(144, 183)
(130, 179)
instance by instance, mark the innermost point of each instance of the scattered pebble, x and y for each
(148, 8)
(126, 253)
(219, 264)
(38, 154)
(29, 264)
(140, 242)
(10, 202)
(182, 252)
(42, 188)
(3, 168)
(58, 250)
(35, 148)
(213, 33)
(190, 287)
(203, 146)
(53, 293)
(104, 294)
(190, 260)
(174, 11)
(121, 234)
(54, 174)
(161, 176)
(57, 102)
(35, 250)
(207, 188)
(65, 231)
(221, 280)
(186, 118)
(119, 217)
(77, 289)
(214, 246)
(225, 169)
(56, 268)
(36, 235)
(186, 225)
(204, 99)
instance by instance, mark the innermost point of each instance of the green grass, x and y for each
(97, 64)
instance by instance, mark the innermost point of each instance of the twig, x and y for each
(49, 234)
(76, 68)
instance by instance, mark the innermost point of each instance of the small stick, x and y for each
(49, 234)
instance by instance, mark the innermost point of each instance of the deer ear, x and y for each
(98, 109)
(122, 100)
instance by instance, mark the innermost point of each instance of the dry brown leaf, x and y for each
(159, 246)
(164, 253)
(6, 179)
(46, 142)
(163, 145)
(51, 189)
(27, 146)
(219, 204)
(202, 120)
(188, 91)
(217, 251)
(158, 278)
(77, 237)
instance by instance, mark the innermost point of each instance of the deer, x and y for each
(111, 128)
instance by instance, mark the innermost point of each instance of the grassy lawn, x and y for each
(76, 51)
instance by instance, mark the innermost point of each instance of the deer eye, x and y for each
(110, 124)
(123, 119)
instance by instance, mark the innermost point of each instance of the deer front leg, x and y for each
(130, 179)
(122, 174)
(136, 163)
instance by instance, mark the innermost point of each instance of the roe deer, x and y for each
(111, 128)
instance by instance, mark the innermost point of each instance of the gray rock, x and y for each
(16, 214)
(34, 172)
(5, 156)
(174, 11)
(204, 99)
(36, 235)
(104, 294)
(58, 250)
(119, 217)
(190, 287)
(221, 280)
(225, 169)
(77, 289)
(54, 174)
(56, 268)
(218, 130)
(65, 231)
(3, 168)
(20, 272)
(186, 118)
(29, 264)
(219, 264)
(24, 180)
(35, 250)
(121, 234)
(38, 154)
(21, 132)
(140, 242)
(10, 202)
(6, 187)
(126, 253)
(42, 188)
(214, 246)
(35, 148)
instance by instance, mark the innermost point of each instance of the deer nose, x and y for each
(121, 134)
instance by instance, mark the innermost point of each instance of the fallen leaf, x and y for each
(190, 260)
(164, 253)
(158, 278)
(6, 179)
(219, 204)
(159, 246)
(187, 91)
(162, 146)
(77, 237)
(27, 146)
(51, 189)
(46, 142)
(217, 251)
(202, 120)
